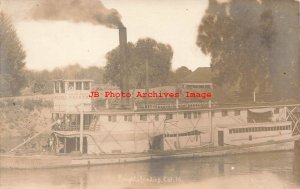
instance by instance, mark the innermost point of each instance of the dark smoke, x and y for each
(92, 11)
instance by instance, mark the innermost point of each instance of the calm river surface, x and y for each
(274, 170)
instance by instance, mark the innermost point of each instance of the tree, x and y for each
(182, 72)
(179, 74)
(158, 56)
(41, 81)
(252, 45)
(12, 59)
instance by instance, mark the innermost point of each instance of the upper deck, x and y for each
(72, 95)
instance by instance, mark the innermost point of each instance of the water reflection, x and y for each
(264, 170)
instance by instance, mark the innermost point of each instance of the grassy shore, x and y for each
(20, 118)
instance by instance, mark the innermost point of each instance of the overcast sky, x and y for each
(50, 44)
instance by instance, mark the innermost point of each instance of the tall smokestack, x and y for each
(123, 55)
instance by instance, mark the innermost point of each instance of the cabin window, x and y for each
(224, 113)
(187, 115)
(87, 119)
(195, 115)
(276, 111)
(73, 119)
(71, 85)
(230, 131)
(78, 85)
(212, 113)
(56, 87)
(77, 119)
(112, 118)
(199, 114)
(250, 137)
(156, 117)
(143, 117)
(62, 86)
(169, 116)
(86, 85)
(128, 118)
(237, 112)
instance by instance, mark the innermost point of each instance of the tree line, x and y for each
(253, 45)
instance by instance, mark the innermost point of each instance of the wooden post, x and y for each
(65, 145)
(177, 145)
(134, 137)
(81, 130)
(147, 82)
(210, 123)
(76, 143)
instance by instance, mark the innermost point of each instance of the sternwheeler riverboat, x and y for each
(84, 135)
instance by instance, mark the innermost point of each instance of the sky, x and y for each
(51, 44)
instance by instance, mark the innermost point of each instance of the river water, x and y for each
(276, 170)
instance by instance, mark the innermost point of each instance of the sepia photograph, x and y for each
(153, 94)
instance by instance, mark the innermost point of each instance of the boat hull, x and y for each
(55, 161)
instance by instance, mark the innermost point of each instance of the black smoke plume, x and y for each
(92, 11)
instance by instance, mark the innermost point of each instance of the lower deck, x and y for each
(55, 161)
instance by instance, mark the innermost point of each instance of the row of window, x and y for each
(79, 85)
(143, 117)
(259, 129)
(75, 118)
(72, 121)
(71, 86)
(186, 115)
(189, 115)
